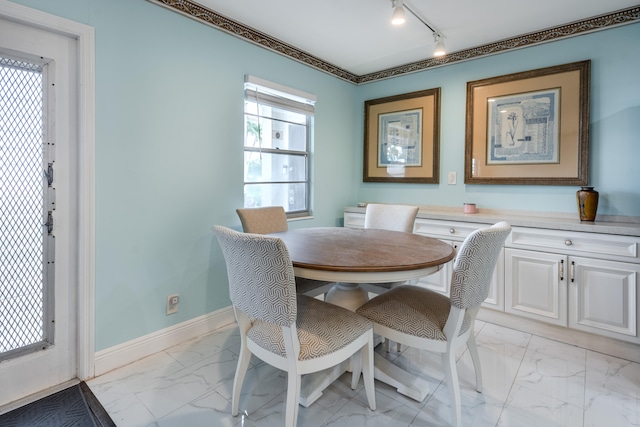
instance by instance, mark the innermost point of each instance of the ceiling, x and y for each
(357, 35)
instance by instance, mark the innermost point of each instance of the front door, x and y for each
(38, 210)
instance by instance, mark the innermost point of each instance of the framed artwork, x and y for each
(401, 138)
(529, 128)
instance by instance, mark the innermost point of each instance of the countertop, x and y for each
(620, 225)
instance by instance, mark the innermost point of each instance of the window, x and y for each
(277, 139)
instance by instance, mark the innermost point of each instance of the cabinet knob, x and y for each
(452, 230)
(568, 242)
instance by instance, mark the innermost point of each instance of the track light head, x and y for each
(439, 50)
(398, 17)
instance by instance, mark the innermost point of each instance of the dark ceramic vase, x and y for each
(587, 199)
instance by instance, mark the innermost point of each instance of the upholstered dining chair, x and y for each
(427, 320)
(292, 332)
(390, 217)
(273, 219)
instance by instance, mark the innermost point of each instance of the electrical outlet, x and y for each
(172, 303)
(452, 178)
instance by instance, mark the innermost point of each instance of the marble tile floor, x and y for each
(528, 380)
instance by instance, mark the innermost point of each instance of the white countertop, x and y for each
(621, 225)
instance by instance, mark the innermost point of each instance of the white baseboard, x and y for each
(123, 354)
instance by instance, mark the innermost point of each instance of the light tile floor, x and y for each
(528, 380)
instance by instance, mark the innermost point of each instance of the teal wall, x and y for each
(169, 120)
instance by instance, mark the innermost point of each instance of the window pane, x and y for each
(291, 196)
(268, 167)
(275, 134)
(270, 112)
(278, 128)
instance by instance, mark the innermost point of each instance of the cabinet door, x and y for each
(603, 297)
(535, 285)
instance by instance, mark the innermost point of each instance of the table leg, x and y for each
(347, 295)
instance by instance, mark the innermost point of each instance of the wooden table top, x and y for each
(342, 249)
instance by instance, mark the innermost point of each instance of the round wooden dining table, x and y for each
(350, 257)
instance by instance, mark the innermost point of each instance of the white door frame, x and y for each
(84, 287)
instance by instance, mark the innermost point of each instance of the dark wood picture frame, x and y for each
(402, 138)
(529, 128)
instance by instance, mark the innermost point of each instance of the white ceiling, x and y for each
(357, 35)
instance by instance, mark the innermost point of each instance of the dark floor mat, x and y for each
(74, 406)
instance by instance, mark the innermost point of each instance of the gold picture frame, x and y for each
(529, 128)
(402, 138)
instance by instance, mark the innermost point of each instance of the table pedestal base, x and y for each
(347, 295)
(404, 382)
(314, 384)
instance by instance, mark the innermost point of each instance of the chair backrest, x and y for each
(474, 265)
(261, 278)
(269, 219)
(390, 217)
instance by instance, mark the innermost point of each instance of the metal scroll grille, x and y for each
(23, 302)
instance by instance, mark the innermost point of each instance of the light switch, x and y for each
(452, 178)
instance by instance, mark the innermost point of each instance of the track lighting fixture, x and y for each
(439, 49)
(398, 18)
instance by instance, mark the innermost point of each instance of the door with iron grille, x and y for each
(37, 299)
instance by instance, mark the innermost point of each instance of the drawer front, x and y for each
(446, 230)
(605, 246)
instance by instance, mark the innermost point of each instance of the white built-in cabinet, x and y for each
(584, 281)
(580, 280)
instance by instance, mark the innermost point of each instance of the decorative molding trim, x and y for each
(210, 17)
(128, 352)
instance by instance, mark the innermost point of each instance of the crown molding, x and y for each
(207, 16)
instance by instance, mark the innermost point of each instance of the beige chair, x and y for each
(428, 320)
(296, 333)
(273, 219)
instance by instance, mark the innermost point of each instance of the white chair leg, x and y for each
(293, 399)
(241, 371)
(398, 345)
(356, 369)
(367, 373)
(449, 362)
(475, 357)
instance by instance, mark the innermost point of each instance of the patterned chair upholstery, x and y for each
(273, 219)
(296, 333)
(428, 320)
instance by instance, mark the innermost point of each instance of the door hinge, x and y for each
(49, 223)
(49, 174)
